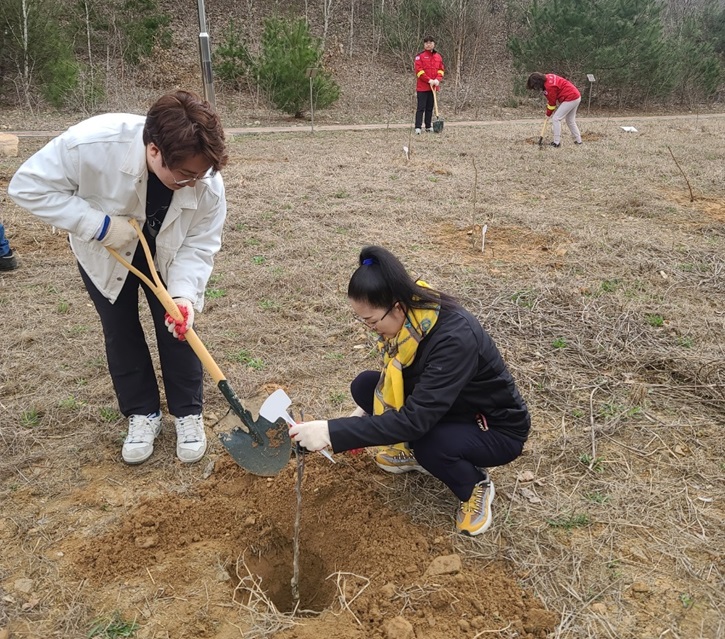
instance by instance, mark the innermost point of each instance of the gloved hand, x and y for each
(435, 83)
(119, 233)
(311, 435)
(176, 328)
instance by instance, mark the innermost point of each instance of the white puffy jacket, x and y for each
(97, 168)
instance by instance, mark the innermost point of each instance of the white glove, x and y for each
(311, 435)
(435, 83)
(358, 412)
(178, 328)
(119, 233)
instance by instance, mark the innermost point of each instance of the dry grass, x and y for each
(601, 283)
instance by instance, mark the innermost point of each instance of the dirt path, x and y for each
(305, 127)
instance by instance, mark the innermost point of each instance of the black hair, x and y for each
(381, 280)
(429, 39)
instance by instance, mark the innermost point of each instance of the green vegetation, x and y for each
(144, 26)
(596, 464)
(215, 293)
(244, 357)
(59, 51)
(30, 418)
(280, 70)
(597, 497)
(625, 44)
(109, 415)
(232, 61)
(112, 628)
(70, 403)
(568, 522)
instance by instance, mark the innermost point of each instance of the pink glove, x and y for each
(178, 328)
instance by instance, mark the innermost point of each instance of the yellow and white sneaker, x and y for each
(474, 516)
(397, 458)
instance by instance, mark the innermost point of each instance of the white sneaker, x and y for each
(417, 131)
(190, 438)
(139, 444)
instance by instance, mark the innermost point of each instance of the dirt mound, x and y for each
(358, 557)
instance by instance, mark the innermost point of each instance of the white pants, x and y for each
(566, 111)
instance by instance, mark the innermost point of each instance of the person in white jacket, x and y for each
(162, 170)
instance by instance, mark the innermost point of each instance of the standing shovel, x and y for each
(264, 449)
(438, 124)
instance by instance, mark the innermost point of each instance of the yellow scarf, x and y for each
(398, 353)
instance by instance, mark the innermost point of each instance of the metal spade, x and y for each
(275, 407)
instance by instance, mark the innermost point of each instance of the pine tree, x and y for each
(287, 51)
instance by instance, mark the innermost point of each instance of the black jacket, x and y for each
(457, 373)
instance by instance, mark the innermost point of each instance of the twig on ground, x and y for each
(341, 584)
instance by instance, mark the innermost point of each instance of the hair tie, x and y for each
(368, 261)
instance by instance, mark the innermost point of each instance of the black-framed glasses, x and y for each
(210, 173)
(373, 324)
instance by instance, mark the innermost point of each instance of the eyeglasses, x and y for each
(197, 178)
(374, 323)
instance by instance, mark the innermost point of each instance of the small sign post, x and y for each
(592, 80)
(311, 73)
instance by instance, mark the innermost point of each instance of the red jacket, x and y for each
(558, 90)
(428, 66)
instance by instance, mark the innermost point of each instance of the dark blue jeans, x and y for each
(452, 451)
(4, 246)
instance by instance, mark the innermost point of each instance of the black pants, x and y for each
(425, 105)
(129, 359)
(452, 451)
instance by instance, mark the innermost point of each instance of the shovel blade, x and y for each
(265, 459)
(437, 126)
(260, 446)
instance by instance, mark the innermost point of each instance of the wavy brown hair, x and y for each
(536, 81)
(182, 124)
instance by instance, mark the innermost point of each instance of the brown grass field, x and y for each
(604, 287)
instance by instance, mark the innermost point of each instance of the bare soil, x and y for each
(602, 284)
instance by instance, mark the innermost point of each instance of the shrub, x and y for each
(287, 51)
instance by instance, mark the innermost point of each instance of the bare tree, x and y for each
(352, 27)
(463, 28)
(326, 17)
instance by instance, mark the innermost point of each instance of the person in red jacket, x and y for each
(558, 91)
(429, 71)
